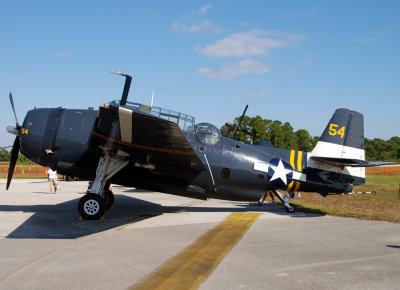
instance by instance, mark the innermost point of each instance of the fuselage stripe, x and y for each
(290, 186)
(292, 153)
(297, 186)
(299, 160)
(143, 146)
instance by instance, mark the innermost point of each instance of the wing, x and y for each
(150, 141)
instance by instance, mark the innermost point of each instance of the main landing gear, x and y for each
(290, 208)
(93, 205)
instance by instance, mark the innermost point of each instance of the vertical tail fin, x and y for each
(343, 137)
(340, 150)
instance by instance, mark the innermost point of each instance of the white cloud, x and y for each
(365, 40)
(202, 27)
(204, 9)
(258, 94)
(255, 42)
(231, 71)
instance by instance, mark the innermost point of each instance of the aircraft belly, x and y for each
(177, 184)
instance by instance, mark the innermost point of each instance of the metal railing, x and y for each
(185, 122)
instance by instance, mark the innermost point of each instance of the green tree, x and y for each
(304, 140)
(4, 155)
(277, 135)
(259, 129)
(244, 127)
(289, 137)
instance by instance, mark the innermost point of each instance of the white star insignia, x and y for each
(280, 172)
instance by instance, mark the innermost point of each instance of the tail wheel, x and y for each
(91, 206)
(291, 208)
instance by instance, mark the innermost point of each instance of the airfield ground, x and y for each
(157, 239)
(383, 206)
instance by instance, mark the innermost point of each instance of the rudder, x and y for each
(343, 137)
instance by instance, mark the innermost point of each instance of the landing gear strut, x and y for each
(290, 208)
(93, 205)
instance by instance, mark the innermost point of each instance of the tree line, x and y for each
(5, 156)
(254, 129)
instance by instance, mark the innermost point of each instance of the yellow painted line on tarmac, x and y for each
(189, 268)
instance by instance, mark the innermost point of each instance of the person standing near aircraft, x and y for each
(264, 197)
(53, 178)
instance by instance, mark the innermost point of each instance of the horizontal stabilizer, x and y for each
(349, 162)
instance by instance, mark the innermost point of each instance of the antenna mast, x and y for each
(152, 99)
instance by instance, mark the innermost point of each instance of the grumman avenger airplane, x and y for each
(160, 150)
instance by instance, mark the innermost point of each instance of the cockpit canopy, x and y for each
(207, 133)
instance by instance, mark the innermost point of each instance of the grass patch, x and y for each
(384, 206)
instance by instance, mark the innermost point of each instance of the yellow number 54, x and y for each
(333, 130)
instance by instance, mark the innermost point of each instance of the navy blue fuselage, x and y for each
(59, 138)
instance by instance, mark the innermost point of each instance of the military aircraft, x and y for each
(156, 149)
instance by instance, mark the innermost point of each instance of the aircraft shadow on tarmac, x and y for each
(61, 221)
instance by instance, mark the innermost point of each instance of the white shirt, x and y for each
(51, 173)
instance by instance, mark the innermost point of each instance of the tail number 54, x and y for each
(333, 130)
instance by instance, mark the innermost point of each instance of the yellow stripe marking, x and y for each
(297, 186)
(189, 268)
(292, 152)
(299, 160)
(290, 186)
(190, 153)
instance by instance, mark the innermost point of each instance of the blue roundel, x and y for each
(280, 173)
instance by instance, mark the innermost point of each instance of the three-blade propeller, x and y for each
(15, 148)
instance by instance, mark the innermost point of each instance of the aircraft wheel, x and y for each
(91, 206)
(108, 198)
(291, 208)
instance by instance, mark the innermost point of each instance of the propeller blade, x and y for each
(13, 161)
(12, 105)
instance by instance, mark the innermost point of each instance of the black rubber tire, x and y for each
(291, 209)
(91, 206)
(108, 198)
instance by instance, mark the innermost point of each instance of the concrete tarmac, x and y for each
(43, 245)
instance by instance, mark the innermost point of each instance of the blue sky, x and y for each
(294, 61)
